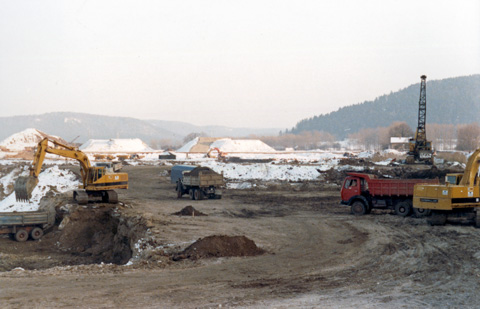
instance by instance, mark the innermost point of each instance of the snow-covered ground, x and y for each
(127, 145)
(53, 178)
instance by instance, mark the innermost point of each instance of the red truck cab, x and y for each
(352, 186)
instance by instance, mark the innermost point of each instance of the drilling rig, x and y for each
(420, 150)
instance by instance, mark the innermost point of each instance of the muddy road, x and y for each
(316, 254)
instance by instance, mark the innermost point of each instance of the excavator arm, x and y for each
(25, 185)
(471, 170)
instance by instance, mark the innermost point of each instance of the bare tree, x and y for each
(468, 137)
(443, 136)
(400, 129)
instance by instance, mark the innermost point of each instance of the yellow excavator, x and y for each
(98, 181)
(458, 197)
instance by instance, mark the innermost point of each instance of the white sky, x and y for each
(236, 63)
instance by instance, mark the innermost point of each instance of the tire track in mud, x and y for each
(396, 261)
(404, 260)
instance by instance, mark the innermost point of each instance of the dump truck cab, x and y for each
(352, 186)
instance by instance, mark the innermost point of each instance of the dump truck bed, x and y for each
(395, 187)
(203, 177)
(39, 218)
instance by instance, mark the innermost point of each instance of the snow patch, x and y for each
(52, 178)
(188, 146)
(28, 138)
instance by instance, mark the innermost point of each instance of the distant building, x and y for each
(399, 143)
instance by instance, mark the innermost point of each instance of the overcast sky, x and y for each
(236, 63)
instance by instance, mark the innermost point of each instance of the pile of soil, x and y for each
(189, 211)
(355, 162)
(219, 246)
(94, 233)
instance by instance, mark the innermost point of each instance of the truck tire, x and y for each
(198, 194)
(36, 233)
(437, 218)
(421, 212)
(191, 192)
(403, 209)
(359, 208)
(21, 235)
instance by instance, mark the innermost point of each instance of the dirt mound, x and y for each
(93, 233)
(220, 246)
(189, 211)
(355, 162)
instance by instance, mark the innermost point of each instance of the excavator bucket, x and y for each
(24, 187)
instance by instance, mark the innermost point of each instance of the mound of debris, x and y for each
(189, 211)
(219, 246)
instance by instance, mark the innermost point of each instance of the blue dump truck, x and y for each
(22, 225)
(196, 181)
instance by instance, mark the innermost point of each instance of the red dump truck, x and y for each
(363, 192)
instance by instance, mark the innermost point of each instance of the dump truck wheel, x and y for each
(421, 212)
(403, 209)
(36, 233)
(437, 218)
(192, 194)
(198, 194)
(359, 208)
(21, 235)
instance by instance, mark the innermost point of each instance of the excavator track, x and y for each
(80, 196)
(110, 196)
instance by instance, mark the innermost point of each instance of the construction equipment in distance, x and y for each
(97, 181)
(458, 197)
(196, 181)
(420, 150)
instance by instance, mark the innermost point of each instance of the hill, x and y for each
(183, 128)
(449, 101)
(82, 127)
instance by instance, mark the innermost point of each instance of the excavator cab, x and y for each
(453, 178)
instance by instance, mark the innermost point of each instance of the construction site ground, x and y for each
(316, 254)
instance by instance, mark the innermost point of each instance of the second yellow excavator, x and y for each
(97, 181)
(458, 197)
